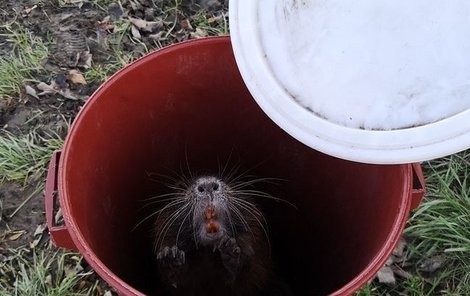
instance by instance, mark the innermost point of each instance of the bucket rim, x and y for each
(120, 285)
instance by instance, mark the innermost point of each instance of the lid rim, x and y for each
(419, 143)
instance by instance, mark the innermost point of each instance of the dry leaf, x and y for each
(105, 24)
(401, 273)
(40, 229)
(135, 5)
(151, 26)
(68, 94)
(34, 243)
(432, 264)
(139, 23)
(69, 270)
(108, 293)
(76, 77)
(145, 25)
(400, 248)
(48, 280)
(31, 91)
(84, 59)
(53, 88)
(81, 285)
(386, 276)
(199, 33)
(160, 36)
(99, 290)
(65, 16)
(212, 19)
(135, 32)
(58, 217)
(79, 3)
(389, 261)
(16, 236)
(47, 88)
(27, 11)
(185, 24)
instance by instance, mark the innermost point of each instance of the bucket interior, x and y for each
(187, 106)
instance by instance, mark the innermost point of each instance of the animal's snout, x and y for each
(208, 187)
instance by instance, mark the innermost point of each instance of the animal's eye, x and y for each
(215, 186)
(200, 189)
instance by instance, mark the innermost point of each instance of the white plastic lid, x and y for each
(374, 81)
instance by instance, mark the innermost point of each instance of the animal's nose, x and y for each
(208, 187)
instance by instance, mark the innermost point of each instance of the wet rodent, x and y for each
(211, 238)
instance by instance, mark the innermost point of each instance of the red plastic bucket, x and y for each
(188, 103)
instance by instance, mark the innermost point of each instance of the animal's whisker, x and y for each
(179, 179)
(243, 184)
(168, 223)
(170, 205)
(194, 228)
(256, 215)
(182, 222)
(159, 175)
(178, 189)
(187, 163)
(256, 193)
(242, 219)
(247, 203)
(232, 226)
(239, 217)
(160, 201)
(163, 195)
(174, 203)
(222, 172)
(252, 209)
(231, 174)
(143, 220)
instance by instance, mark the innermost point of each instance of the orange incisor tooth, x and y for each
(212, 227)
(210, 212)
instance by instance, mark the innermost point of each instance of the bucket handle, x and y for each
(60, 235)
(419, 186)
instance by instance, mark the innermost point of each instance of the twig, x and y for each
(39, 189)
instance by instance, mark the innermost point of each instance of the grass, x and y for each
(442, 224)
(23, 63)
(103, 4)
(25, 155)
(99, 72)
(46, 274)
(213, 26)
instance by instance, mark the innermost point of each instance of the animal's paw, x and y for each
(171, 257)
(170, 261)
(228, 247)
(230, 253)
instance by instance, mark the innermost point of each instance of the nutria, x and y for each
(210, 237)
